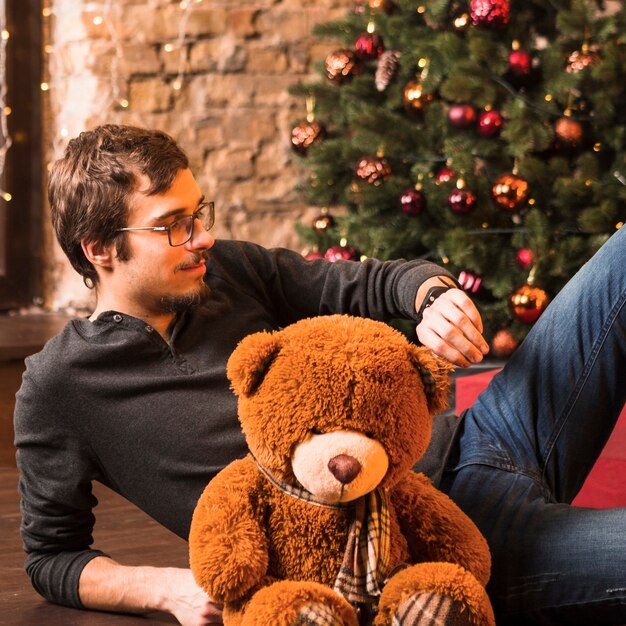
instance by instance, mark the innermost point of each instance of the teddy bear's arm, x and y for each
(228, 551)
(437, 530)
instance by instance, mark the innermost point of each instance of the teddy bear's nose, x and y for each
(344, 468)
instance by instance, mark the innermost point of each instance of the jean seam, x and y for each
(508, 467)
(604, 333)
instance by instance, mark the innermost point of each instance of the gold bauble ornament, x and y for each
(341, 65)
(415, 98)
(582, 59)
(528, 303)
(503, 344)
(568, 130)
(374, 170)
(323, 222)
(305, 134)
(380, 5)
(510, 192)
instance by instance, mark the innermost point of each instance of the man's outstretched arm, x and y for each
(106, 585)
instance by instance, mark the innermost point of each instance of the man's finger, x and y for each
(440, 347)
(451, 331)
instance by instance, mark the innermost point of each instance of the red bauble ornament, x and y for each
(341, 65)
(461, 201)
(313, 255)
(528, 303)
(305, 134)
(520, 63)
(337, 253)
(444, 175)
(510, 192)
(524, 258)
(490, 13)
(461, 115)
(373, 170)
(412, 202)
(503, 344)
(470, 282)
(368, 46)
(490, 123)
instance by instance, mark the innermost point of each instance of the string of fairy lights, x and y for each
(107, 15)
(5, 110)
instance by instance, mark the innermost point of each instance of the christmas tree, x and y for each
(486, 135)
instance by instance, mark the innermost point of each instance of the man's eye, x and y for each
(176, 225)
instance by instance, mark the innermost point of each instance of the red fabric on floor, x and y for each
(605, 486)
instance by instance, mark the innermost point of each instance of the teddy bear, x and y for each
(324, 522)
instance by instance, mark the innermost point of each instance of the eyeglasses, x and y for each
(180, 231)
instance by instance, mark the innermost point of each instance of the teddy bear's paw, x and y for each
(317, 614)
(431, 609)
(291, 603)
(429, 594)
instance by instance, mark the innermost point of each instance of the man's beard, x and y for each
(179, 303)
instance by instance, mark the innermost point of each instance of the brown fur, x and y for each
(330, 373)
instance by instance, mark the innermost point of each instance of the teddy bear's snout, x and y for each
(344, 468)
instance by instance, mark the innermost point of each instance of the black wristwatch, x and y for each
(432, 294)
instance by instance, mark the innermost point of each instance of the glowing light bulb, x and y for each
(45, 86)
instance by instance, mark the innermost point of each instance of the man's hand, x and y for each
(452, 328)
(186, 601)
(109, 586)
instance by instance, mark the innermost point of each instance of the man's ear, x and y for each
(251, 360)
(435, 375)
(97, 254)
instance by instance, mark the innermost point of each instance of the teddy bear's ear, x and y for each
(250, 361)
(435, 375)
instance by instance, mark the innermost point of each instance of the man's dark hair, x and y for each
(90, 186)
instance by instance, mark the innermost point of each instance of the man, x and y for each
(136, 396)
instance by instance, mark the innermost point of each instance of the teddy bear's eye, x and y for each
(316, 431)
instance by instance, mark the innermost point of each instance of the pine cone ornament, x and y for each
(387, 68)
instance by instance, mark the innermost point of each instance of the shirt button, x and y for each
(149, 329)
(117, 318)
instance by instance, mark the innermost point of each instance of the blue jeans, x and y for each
(527, 445)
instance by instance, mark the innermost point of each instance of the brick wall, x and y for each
(232, 115)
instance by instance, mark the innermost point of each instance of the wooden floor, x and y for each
(122, 531)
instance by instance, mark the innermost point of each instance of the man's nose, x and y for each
(201, 238)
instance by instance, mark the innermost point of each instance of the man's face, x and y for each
(158, 278)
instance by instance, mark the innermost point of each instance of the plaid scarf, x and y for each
(366, 559)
